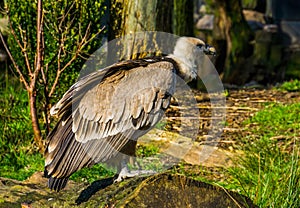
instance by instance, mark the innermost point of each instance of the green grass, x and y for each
(291, 86)
(18, 158)
(277, 119)
(147, 158)
(269, 171)
(146, 150)
(97, 172)
(101, 171)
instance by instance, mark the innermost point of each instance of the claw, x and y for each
(126, 173)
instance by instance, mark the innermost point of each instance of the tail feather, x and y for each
(57, 184)
(63, 155)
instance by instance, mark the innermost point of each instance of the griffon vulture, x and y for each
(105, 112)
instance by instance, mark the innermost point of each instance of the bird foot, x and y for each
(125, 173)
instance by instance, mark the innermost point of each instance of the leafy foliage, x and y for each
(70, 33)
(66, 23)
(291, 86)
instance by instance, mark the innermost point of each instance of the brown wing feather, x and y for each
(122, 106)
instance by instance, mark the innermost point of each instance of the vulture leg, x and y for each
(127, 157)
(126, 173)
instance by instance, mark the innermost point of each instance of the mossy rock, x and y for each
(168, 190)
(161, 190)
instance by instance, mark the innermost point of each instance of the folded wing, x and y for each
(105, 110)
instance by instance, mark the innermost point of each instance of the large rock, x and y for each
(161, 190)
(206, 22)
(167, 190)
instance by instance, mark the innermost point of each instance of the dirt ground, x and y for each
(240, 105)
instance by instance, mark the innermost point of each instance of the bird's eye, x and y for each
(200, 45)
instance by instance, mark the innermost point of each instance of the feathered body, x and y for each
(105, 112)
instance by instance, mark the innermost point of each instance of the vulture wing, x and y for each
(103, 111)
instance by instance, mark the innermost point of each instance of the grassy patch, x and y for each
(148, 158)
(269, 172)
(276, 119)
(268, 176)
(18, 158)
(291, 86)
(94, 173)
(146, 150)
(23, 166)
(101, 171)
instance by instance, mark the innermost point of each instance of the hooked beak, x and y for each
(209, 50)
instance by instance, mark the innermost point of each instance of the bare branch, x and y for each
(39, 47)
(22, 78)
(64, 16)
(42, 69)
(61, 45)
(80, 46)
(14, 34)
(90, 39)
(44, 76)
(38, 67)
(23, 47)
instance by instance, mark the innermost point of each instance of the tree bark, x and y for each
(34, 77)
(35, 122)
(231, 26)
(183, 18)
(133, 17)
(129, 17)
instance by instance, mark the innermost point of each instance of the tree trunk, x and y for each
(35, 122)
(231, 26)
(183, 18)
(38, 66)
(134, 17)
(164, 17)
(129, 17)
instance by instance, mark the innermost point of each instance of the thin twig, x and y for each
(22, 78)
(64, 16)
(22, 47)
(80, 46)
(58, 72)
(54, 83)
(230, 196)
(213, 142)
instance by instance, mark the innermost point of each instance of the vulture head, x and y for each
(189, 54)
